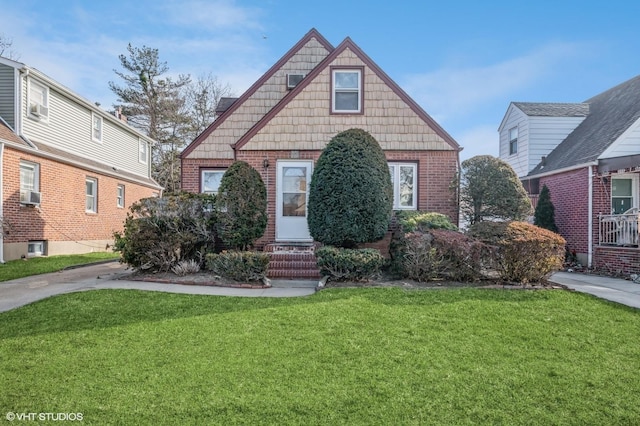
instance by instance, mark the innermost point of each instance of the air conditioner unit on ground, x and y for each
(30, 198)
(293, 80)
(39, 110)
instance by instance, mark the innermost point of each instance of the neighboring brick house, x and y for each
(282, 122)
(588, 155)
(68, 169)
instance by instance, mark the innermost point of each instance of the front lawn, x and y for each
(342, 356)
(42, 265)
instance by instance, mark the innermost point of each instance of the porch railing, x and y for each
(619, 229)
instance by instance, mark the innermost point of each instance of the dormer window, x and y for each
(513, 141)
(346, 93)
(38, 101)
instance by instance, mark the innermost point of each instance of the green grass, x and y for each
(41, 265)
(342, 356)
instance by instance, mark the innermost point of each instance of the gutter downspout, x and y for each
(1, 203)
(590, 224)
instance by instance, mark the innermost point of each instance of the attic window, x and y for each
(513, 141)
(293, 80)
(346, 93)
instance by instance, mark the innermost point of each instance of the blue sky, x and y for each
(462, 61)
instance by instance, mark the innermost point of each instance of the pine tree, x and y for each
(545, 216)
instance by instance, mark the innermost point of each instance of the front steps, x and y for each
(292, 261)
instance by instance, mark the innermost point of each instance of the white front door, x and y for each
(292, 185)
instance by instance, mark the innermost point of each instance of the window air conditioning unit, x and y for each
(39, 110)
(293, 80)
(30, 198)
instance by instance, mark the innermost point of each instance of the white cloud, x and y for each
(212, 15)
(456, 91)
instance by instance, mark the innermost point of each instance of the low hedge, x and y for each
(239, 265)
(410, 221)
(524, 253)
(340, 264)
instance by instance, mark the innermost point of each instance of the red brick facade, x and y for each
(62, 216)
(570, 196)
(436, 171)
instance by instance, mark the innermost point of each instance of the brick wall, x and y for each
(617, 260)
(61, 215)
(436, 170)
(570, 196)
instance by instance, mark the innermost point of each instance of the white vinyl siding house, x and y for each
(537, 136)
(7, 94)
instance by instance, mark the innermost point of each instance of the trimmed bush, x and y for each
(410, 221)
(351, 195)
(525, 253)
(340, 264)
(242, 206)
(239, 265)
(161, 232)
(440, 254)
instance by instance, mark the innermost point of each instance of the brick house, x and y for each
(588, 155)
(283, 121)
(68, 169)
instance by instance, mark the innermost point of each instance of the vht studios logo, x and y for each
(43, 417)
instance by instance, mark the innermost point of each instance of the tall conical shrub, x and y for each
(351, 195)
(545, 215)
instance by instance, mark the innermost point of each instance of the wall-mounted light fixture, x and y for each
(265, 163)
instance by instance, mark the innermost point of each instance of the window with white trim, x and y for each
(96, 127)
(91, 195)
(143, 152)
(346, 91)
(120, 196)
(210, 181)
(38, 100)
(623, 193)
(29, 179)
(404, 178)
(513, 141)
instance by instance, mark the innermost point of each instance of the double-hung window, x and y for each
(120, 196)
(142, 151)
(346, 91)
(513, 141)
(91, 195)
(210, 181)
(29, 180)
(404, 178)
(623, 190)
(96, 127)
(38, 102)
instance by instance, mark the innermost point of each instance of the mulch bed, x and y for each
(208, 279)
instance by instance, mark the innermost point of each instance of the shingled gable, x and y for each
(348, 44)
(313, 33)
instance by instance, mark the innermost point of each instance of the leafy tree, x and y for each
(351, 195)
(490, 189)
(242, 206)
(544, 215)
(154, 103)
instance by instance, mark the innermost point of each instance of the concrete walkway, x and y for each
(613, 289)
(112, 275)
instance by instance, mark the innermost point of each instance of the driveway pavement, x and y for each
(16, 293)
(23, 291)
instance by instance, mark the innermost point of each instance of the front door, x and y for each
(292, 184)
